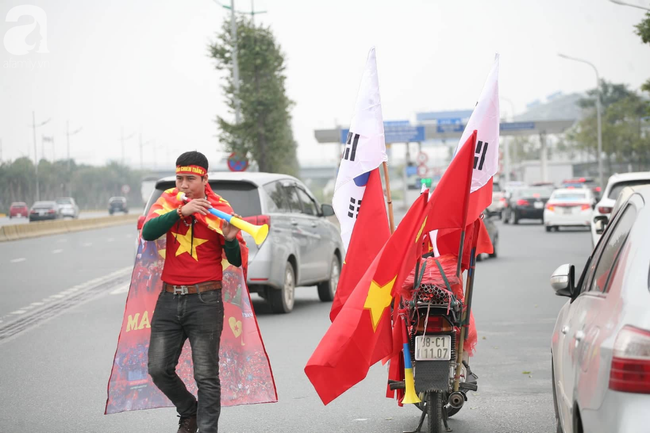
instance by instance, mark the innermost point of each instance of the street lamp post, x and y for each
(619, 2)
(122, 138)
(599, 128)
(34, 126)
(68, 134)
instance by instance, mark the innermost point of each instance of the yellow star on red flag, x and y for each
(379, 297)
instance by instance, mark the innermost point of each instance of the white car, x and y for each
(67, 207)
(568, 207)
(614, 186)
(601, 341)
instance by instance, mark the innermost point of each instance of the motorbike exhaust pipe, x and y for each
(456, 400)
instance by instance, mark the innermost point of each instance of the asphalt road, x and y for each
(56, 367)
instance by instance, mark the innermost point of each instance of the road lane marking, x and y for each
(22, 259)
(86, 244)
(57, 251)
(29, 317)
(120, 290)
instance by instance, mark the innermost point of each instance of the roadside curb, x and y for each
(47, 228)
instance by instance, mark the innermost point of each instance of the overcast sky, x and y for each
(143, 65)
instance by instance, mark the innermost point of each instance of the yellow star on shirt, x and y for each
(185, 244)
(379, 297)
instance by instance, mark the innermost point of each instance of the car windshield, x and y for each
(616, 189)
(117, 200)
(18, 205)
(243, 197)
(577, 195)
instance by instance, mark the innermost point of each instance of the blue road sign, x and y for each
(450, 125)
(396, 133)
(517, 126)
(439, 115)
(411, 170)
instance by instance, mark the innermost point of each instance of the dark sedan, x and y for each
(526, 203)
(43, 210)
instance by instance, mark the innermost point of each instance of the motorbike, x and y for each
(437, 378)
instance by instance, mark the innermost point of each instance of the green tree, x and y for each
(264, 133)
(623, 136)
(643, 30)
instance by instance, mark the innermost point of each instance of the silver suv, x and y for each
(302, 248)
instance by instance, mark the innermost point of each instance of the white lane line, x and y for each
(57, 251)
(18, 312)
(130, 235)
(86, 244)
(120, 290)
(22, 259)
(36, 304)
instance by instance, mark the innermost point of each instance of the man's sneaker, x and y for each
(187, 424)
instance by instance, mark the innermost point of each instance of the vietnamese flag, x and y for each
(368, 237)
(361, 333)
(449, 204)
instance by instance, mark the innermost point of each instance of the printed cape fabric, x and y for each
(244, 367)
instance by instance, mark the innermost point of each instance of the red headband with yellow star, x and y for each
(190, 169)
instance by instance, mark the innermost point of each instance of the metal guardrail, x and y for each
(46, 228)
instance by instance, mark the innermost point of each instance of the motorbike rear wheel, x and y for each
(434, 400)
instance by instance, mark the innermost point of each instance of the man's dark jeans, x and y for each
(198, 317)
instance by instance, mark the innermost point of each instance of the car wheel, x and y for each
(282, 300)
(327, 289)
(548, 228)
(494, 249)
(506, 216)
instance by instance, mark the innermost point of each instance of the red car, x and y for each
(18, 209)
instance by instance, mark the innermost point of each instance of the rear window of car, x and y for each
(578, 195)
(243, 197)
(533, 192)
(63, 201)
(44, 205)
(618, 187)
(19, 204)
(496, 187)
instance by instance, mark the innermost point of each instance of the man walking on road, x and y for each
(190, 304)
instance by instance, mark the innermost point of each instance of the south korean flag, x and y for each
(364, 151)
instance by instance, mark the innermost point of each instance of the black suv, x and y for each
(117, 204)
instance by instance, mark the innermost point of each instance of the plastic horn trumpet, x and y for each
(410, 396)
(258, 233)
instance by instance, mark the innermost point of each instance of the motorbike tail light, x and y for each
(259, 220)
(585, 207)
(630, 370)
(434, 324)
(522, 202)
(604, 209)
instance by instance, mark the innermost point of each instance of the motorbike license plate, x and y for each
(432, 348)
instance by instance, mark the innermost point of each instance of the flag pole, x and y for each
(468, 308)
(388, 199)
(470, 173)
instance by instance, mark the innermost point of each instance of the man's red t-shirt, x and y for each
(192, 259)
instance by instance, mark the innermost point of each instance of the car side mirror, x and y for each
(327, 210)
(563, 280)
(141, 219)
(600, 224)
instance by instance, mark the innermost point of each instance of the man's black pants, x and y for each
(198, 317)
